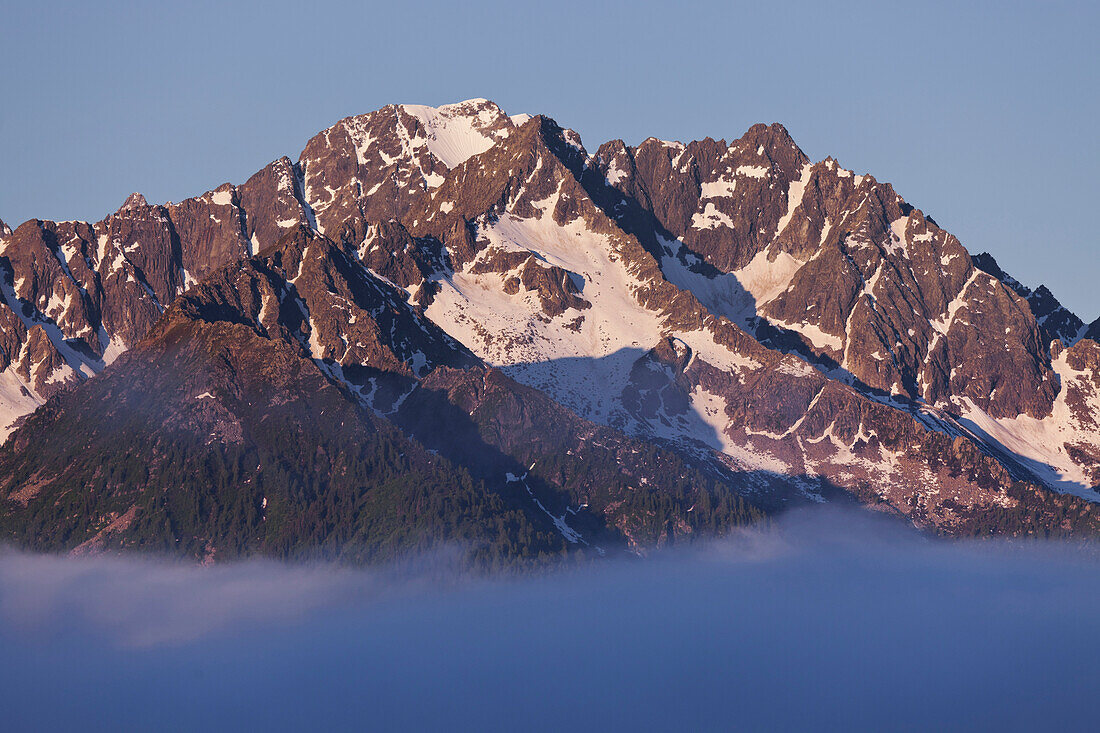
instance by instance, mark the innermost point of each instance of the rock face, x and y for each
(1093, 330)
(604, 352)
(94, 290)
(376, 165)
(1055, 322)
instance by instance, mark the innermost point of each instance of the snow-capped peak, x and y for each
(457, 132)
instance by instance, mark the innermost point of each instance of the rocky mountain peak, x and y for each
(454, 132)
(133, 201)
(985, 261)
(1055, 321)
(374, 165)
(775, 144)
(526, 167)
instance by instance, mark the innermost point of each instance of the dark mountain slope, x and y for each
(214, 442)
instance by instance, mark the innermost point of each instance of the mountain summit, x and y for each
(452, 325)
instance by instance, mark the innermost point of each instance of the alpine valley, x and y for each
(452, 327)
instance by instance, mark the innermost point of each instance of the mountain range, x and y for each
(454, 327)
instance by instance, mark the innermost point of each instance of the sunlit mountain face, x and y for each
(455, 327)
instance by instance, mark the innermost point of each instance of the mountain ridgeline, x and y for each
(452, 328)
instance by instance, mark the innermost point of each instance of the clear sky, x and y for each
(981, 114)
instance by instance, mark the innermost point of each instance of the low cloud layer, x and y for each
(827, 620)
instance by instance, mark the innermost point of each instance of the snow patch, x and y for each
(815, 335)
(717, 189)
(752, 171)
(615, 173)
(16, 399)
(223, 198)
(455, 132)
(794, 197)
(710, 218)
(736, 295)
(583, 364)
(1041, 443)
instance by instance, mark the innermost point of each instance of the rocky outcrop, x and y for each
(308, 292)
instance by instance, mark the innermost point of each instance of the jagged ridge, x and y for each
(782, 330)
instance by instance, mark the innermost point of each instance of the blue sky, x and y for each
(983, 116)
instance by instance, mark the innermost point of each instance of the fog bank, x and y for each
(826, 621)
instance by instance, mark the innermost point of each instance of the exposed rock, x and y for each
(133, 201)
(1093, 331)
(376, 165)
(1055, 322)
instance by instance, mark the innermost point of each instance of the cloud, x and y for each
(825, 620)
